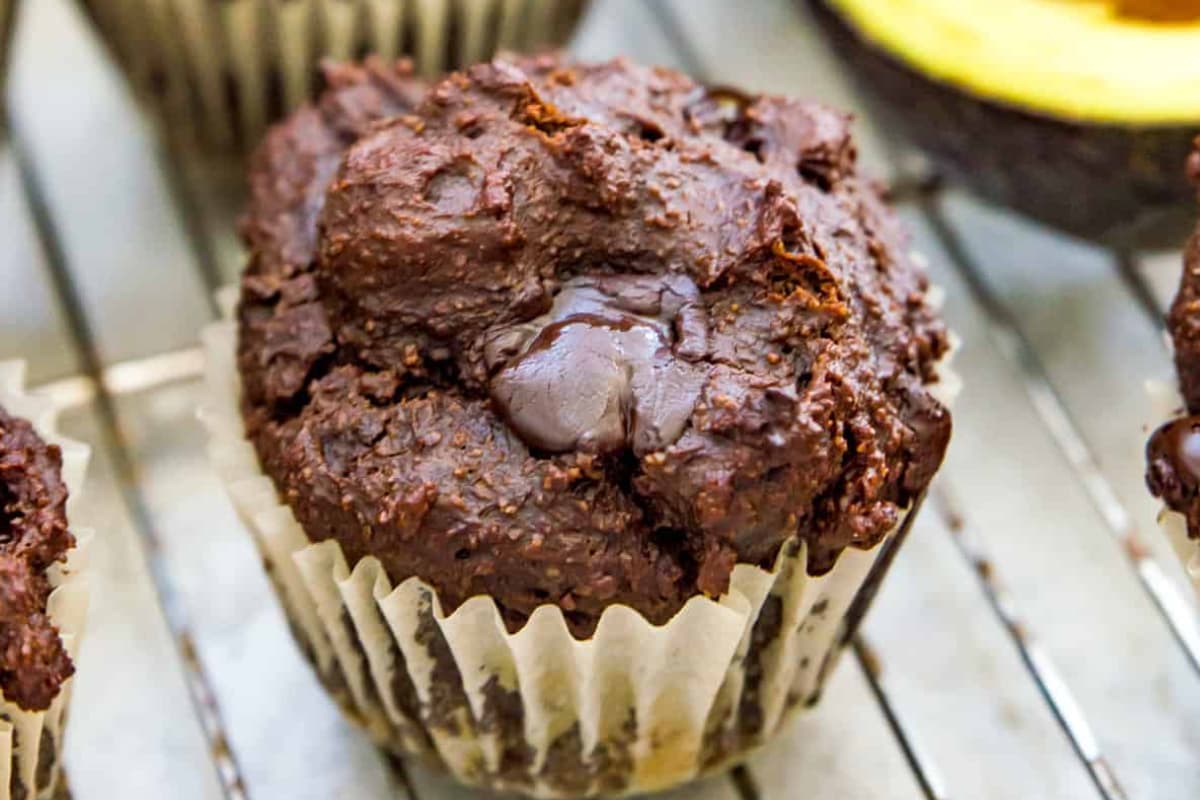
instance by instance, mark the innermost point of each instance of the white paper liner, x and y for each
(1167, 404)
(219, 72)
(31, 742)
(636, 708)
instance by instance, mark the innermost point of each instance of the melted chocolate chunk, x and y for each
(599, 372)
(1173, 474)
(33, 536)
(581, 334)
(1179, 443)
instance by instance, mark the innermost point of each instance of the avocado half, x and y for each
(1079, 113)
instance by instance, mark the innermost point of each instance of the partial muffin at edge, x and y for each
(34, 536)
(1173, 452)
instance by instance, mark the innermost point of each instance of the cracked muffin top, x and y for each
(33, 536)
(581, 334)
(1173, 453)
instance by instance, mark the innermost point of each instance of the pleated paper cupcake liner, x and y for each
(31, 742)
(635, 708)
(219, 72)
(1166, 404)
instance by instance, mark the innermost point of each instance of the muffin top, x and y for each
(581, 334)
(1173, 454)
(33, 536)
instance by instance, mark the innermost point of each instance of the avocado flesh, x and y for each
(1074, 163)
(1134, 62)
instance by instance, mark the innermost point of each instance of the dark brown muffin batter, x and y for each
(1173, 453)
(581, 334)
(33, 536)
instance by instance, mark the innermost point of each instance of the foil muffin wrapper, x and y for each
(219, 71)
(635, 708)
(1166, 404)
(31, 742)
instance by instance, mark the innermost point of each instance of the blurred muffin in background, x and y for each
(219, 72)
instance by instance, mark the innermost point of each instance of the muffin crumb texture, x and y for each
(580, 334)
(33, 536)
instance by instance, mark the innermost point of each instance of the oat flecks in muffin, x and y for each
(581, 334)
(33, 536)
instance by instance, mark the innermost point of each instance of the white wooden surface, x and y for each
(953, 675)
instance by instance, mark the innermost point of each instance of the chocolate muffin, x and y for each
(1173, 452)
(216, 73)
(33, 536)
(567, 339)
(41, 604)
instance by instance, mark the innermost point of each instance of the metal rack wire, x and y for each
(101, 386)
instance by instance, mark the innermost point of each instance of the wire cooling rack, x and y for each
(1034, 640)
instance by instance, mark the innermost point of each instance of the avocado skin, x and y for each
(1123, 186)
